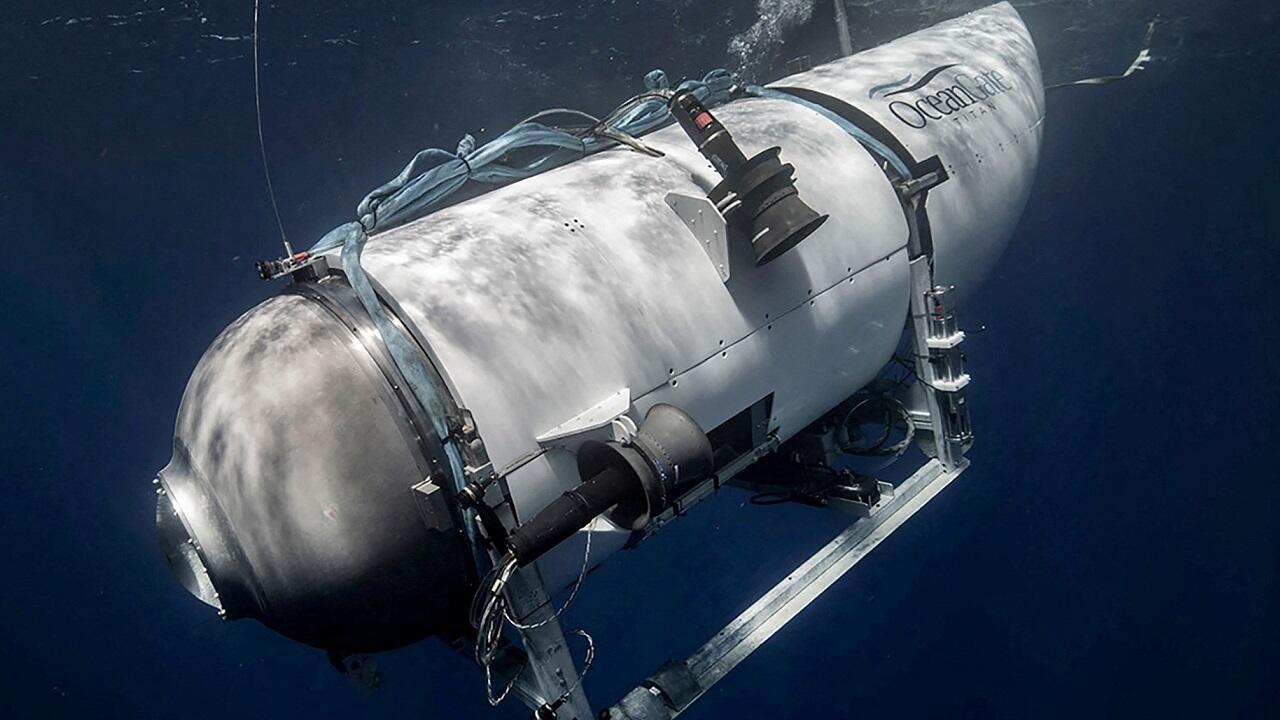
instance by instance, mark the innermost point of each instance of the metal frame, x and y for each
(549, 668)
(676, 686)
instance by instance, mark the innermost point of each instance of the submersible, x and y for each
(614, 331)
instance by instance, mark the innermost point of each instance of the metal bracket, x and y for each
(910, 188)
(593, 418)
(482, 475)
(303, 266)
(623, 429)
(936, 343)
(431, 504)
(707, 225)
(862, 509)
(706, 488)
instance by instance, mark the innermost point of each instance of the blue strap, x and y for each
(408, 360)
(434, 174)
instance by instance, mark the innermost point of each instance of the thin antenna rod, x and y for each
(262, 143)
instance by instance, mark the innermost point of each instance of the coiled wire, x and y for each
(490, 614)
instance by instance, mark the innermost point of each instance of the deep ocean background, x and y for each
(1113, 552)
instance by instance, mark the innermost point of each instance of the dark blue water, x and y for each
(1114, 552)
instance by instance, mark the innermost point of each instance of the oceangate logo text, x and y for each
(965, 96)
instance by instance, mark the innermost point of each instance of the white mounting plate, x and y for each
(593, 418)
(707, 225)
(956, 385)
(945, 343)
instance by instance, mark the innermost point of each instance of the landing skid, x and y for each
(675, 686)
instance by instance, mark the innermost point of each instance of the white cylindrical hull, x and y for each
(543, 298)
(289, 496)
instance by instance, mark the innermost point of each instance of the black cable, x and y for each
(806, 489)
(878, 449)
(262, 143)
(489, 615)
(771, 498)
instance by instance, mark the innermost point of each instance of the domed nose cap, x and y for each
(292, 479)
